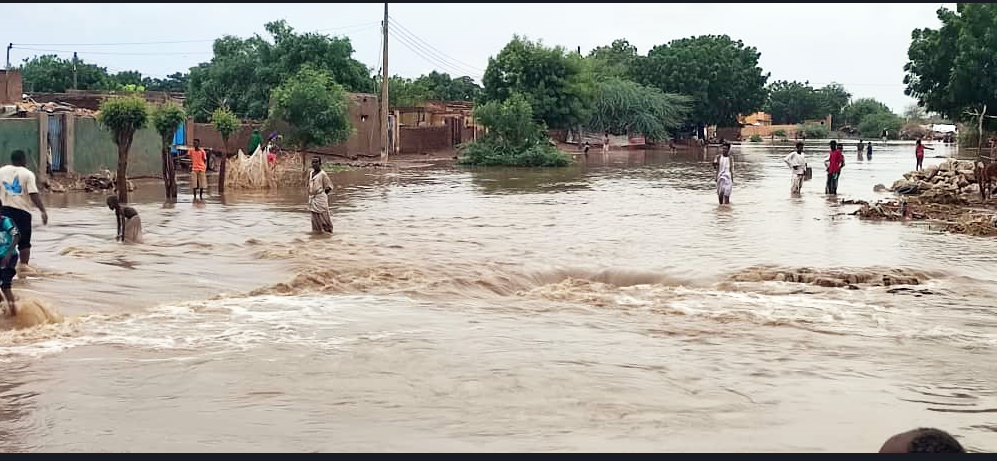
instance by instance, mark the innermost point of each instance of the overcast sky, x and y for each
(862, 46)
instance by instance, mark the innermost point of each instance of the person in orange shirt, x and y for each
(198, 169)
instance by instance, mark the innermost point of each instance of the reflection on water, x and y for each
(607, 306)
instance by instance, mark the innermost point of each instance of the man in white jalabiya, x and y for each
(724, 165)
(798, 164)
(318, 198)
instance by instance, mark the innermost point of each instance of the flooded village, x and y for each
(520, 251)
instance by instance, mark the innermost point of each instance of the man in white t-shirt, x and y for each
(18, 192)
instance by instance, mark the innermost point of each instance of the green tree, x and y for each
(551, 80)
(316, 108)
(167, 118)
(514, 137)
(176, 82)
(857, 110)
(721, 75)
(226, 123)
(915, 113)
(624, 107)
(949, 68)
(444, 88)
(242, 73)
(128, 77)
(833, 99)
(123, 116)
(405, 92)
(615, 60)
(874, 124)
(51, 74)
(793, 102)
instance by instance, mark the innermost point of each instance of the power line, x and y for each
(440, 53)
(362, 26)
(429, 59)
(111, 53)
(445, 63)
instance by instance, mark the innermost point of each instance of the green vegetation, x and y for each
(794, 102)
(613, 61)
(814, 131)
(51, 74)
(243, 72)
(872, 125)
(720, 75)
(167, 118)
(406, 92)
(947, 71)
(780, 133)
(622, 107)
(226, 123)
(756, 138)
(316, 108)
(123, 117)
(513, 138)
(552, 81)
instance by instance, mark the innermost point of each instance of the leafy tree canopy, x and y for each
(315, 106)
(721, 76)
(552, 81)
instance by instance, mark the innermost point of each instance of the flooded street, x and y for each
(610, 306)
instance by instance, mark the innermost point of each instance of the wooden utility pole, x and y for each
(9, 46)
(384, 90)
(74, 71)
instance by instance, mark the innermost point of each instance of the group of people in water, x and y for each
(796, 161)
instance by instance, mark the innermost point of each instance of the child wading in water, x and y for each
(129, 224)
(724, 165)
(9, 237)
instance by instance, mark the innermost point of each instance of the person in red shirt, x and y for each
(919, 154)
(198, 169)
(834, 163)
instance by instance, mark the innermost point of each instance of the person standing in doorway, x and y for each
(198, 169)
(724, 165)
(318, 198)
(861, 151)
(20, 192)
(798, 166)
(834, 163)
(919, 154)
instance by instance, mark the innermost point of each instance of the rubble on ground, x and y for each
(103, 181)
(950, 182)
(30, 106)
(951, 217)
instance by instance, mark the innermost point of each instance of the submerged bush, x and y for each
(513, 138)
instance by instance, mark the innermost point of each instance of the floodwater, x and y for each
(590, 308)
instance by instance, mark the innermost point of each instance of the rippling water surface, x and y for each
(611, 306)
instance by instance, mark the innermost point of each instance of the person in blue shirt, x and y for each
(9, 238)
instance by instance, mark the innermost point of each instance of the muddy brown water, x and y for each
(610, 306)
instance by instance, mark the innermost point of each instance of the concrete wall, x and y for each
(424, 139)
(94, 150)
(10, 86)
(19, 133)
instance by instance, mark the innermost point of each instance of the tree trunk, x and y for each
(221, 168)
(122, 181)
(979, 139)
(169, 175)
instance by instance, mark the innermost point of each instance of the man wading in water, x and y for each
(834, 163)
(724, 164)
(798, 164)
(19, 193)
(318, 198)
(129, 224)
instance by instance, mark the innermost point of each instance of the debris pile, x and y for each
(952, 218)
(30, 106)
(951, 182)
